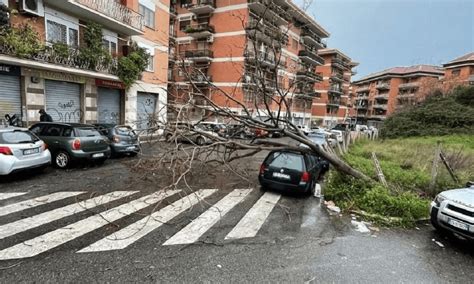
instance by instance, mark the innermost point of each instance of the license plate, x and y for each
(280, 175)
(31, 151)
(131, 148)
(98, 155)
(458, 225)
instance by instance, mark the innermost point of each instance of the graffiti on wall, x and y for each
(108, 116)
(66, 112)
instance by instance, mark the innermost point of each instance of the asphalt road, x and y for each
(297, 242)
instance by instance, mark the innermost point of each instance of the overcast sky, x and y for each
(385, 33)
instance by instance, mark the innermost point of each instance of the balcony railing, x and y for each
(265, 32)
(405, 86)
(316, 77)
(383, 86)
(269, 10)
(406, 95)
(337, 76)
(335, 90)
(311, 38)
(379, 116)
(338, 63)
(202, 7)
(381, 97)
(380, 106)
(69, 58)
(199, 30)
(334, 103)
(363, 89)
(193, 54)
(200, 79)
(310, 57)
(116, 11)
(263, 58)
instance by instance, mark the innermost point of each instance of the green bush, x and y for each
(439, 115)
(23, 40)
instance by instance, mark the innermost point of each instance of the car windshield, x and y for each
(17, 137)
(286, 160)
(124, 130)
(87, 132)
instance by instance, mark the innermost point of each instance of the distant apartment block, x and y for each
(235, 47)
(380, 94)
(459, 71)
(335, 102)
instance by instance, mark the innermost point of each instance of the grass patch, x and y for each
(406, 163)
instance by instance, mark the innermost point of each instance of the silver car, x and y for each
(21, 150)
(453, 210)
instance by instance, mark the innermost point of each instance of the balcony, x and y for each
(202, 30)
(270, 11)
(202, 7)
(338, 63)
(311, 38)
(380, 106)
(335, 91)
(201, 80)
(405, 95)
(362, 107)
(310, 57)
(333, 103)
(406, 86)
(254, 81)
(363, 89)
(378, 116)
(309, 75)
(204, 55)
(383, 86)
(337, 77)
(262, 58)
(381, 97)
(110, 14)
(266, 33)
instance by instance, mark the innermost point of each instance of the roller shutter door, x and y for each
(63, 101)
(146, 104)
(10, 98)
(108, 105)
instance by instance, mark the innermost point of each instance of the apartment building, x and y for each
(243, 48)
(380, 94)
(335, 103)
(70, 92)
(459, 71)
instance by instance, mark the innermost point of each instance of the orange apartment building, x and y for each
(459, 71)
(335, 103)
(380, 94)
(229, 42)
(71, 93)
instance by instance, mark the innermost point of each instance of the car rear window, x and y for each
(124, 130)
(17, 137)
(87, 132)
(286, 160)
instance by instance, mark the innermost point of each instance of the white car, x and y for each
(338, 134)
(20, 150)
(305, 129)
(453, 210)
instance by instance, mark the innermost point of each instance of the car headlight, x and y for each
(439, 199)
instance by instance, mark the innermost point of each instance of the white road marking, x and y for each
(22, 225)
(192, 232)
(11, 194)
(23, 205)
(251, 223)
(130, 234)
(68, 233)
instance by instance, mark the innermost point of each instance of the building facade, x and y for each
(459, 71)
(380, 94)
(335, 102)
(71, 92)
(243, 49)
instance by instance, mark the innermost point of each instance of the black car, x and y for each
(292, 171)
(122, 138)
(70, 142)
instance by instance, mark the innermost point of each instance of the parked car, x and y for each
(216, 127)
(237, 131)
(69, 142)
(321, 139)
(187, 132)
(122, 138)
(453, 211)
(21, 150)
(338, 134)
(305, 129)
(292, 171)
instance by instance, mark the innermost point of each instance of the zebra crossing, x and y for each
(129, 204)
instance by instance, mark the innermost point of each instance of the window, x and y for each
(472, 71)
(286, 160)
(61, 28)
(110, 46)
(53, 130)
(17, 137)
(150, 66)
(149, 16)
(183, 25)
(456, 72)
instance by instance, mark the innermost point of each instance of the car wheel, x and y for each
(62, 160)
(133, 154)
(200, 141)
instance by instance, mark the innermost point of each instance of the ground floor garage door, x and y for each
(10, 98)
(108, 105)
(63, 101)
(146, 110)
